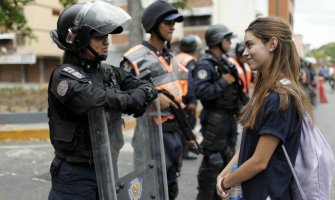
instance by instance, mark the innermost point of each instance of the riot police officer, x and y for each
(244, 72)
(83, 82)
(190, 46)
(217, 88)
(159, 19)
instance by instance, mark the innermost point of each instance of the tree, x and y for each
(325, 53)
(66, 3)
(135, 11)
(12, 16)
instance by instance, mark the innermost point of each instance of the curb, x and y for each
(42, 133)
(21, 133)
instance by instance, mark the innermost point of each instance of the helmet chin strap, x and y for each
(221, 48)
(159, 35)
(98, 57)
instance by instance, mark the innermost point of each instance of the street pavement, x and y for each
(25, 163)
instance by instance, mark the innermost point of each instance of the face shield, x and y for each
(103, 17)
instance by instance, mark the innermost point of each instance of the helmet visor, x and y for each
(103, 17)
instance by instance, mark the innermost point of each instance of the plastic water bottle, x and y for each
(236, 191)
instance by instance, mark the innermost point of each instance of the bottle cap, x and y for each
(234, 168)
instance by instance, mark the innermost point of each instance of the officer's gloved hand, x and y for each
(151, 92)
(137, 102)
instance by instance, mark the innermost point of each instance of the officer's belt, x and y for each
(225, 110)
(87, 159)
(170, 126)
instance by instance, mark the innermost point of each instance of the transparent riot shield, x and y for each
(133, 167)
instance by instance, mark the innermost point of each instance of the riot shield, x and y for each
(129, 161)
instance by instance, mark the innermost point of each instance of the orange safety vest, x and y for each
(169, 76)
(184, 58)
(245, 77)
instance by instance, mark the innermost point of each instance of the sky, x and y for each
(315, 21)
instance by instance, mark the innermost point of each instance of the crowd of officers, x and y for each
(218, 78)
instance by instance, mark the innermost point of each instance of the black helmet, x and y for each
(190, 43)
(158, 11)
(78, 22)
(239, 49)
(216, 33)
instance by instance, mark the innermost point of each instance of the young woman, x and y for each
(272, 117)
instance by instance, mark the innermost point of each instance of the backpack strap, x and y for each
(294, 174)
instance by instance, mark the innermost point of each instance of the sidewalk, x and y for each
(40, 130)
(26, 131)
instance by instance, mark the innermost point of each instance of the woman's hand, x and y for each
(223, 194)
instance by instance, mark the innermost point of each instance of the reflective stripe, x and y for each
(184, 58)
(246, 78)
(171, 76)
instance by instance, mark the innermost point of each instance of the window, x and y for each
(20, 39)
(202, 20)
(55, 12)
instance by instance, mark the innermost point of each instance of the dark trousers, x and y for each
(74, 182)
(173, 147)
(220, 136)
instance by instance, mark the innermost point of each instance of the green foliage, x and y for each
(12, 16)
(325, 54)
(66, 3)
(180, 4)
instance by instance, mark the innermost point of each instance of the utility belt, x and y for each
(226, 106)
(170, 126)
(78, 159)
(224, 110)
(229, 108)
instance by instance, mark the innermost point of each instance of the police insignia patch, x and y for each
(202, 74)
(62, 88)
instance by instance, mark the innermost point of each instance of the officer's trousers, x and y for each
(173, 147)
(74, 182)
(220, 135)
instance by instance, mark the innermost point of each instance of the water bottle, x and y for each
(236, 191)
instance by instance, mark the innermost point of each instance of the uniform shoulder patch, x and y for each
(62, 88)
(202, 74)
(73, 72)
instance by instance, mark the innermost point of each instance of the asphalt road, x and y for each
(24, 164)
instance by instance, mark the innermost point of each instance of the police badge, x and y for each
(135, 189)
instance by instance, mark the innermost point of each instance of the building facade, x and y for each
(23, 61)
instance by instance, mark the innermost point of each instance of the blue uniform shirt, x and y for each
(274, 181)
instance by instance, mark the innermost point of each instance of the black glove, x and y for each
(137, 102)
(150, 91)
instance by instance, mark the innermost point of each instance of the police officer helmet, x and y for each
(239, 49)
(190, 43)
(157, 12)
(80, 21)
(216, 33)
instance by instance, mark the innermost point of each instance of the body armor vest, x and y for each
(245, 74)
(230, 100)
(69, 133)
(169, 76)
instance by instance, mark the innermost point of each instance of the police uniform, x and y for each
(221, 102)
(244, 73)
(166, 74)
(81, 84)
(73, 90)
(189, 62)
